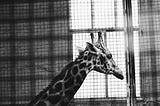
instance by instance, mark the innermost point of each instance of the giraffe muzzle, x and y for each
(119, 75)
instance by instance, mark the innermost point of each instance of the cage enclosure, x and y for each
(40, 37)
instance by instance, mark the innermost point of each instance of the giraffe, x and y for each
(63, 87)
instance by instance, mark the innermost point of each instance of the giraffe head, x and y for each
(102, 59)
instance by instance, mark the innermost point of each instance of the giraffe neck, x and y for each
(64, 86)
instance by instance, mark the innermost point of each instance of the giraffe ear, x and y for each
(80, 50)
(91, 47)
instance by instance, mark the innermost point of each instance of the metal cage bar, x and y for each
(130, 69)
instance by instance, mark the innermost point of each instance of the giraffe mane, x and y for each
(42, 93)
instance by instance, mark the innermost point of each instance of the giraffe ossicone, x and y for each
(63, 87)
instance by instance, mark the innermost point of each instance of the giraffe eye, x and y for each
(109, 56)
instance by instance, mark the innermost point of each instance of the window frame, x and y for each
(93, 30)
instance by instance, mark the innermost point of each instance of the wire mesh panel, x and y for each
(34, 46)
(39, 37)
(107, 16)
(149, 51)
(136, 37)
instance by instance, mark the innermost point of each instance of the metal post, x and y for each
(130, 64)
(92, 14)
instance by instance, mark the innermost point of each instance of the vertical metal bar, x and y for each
(12, 60)
(130, 65)
(153, 54)
(92, 15)
(106, 76)
(31, 49)
(70, 38)
(51, 44)
(115, 12)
